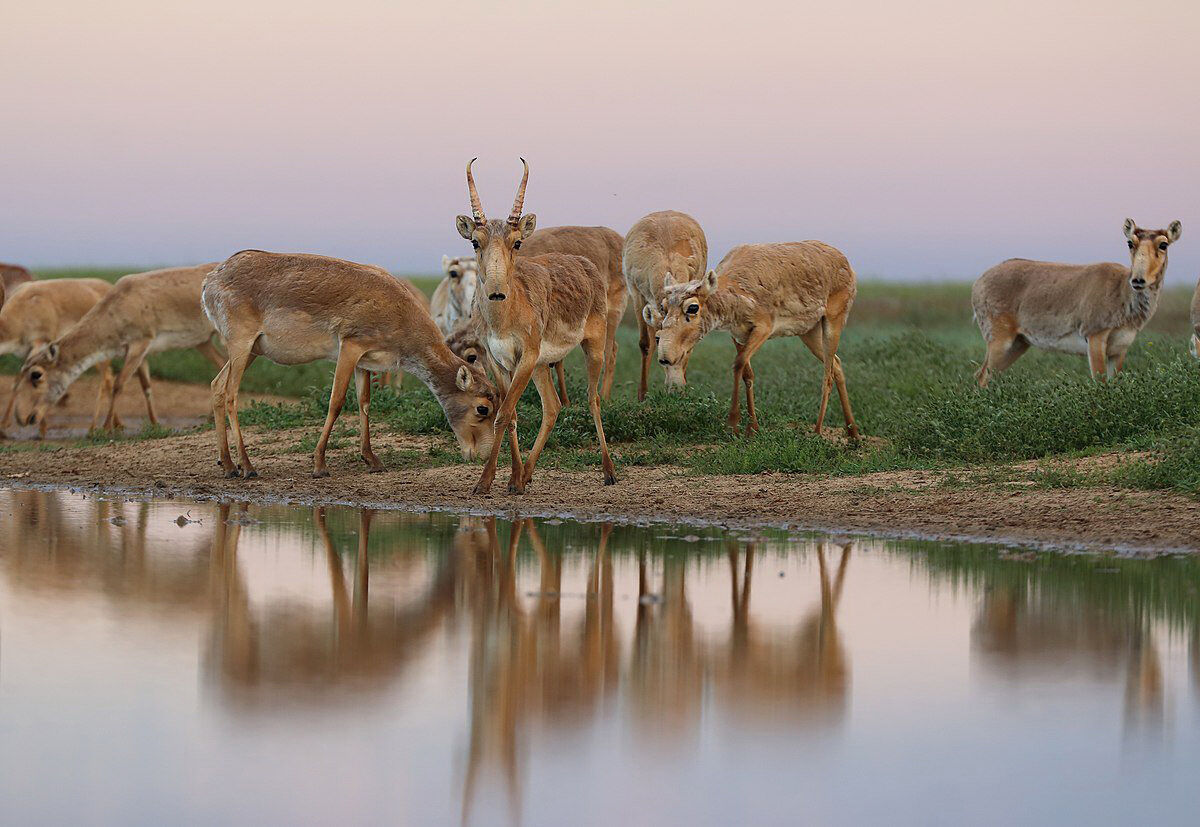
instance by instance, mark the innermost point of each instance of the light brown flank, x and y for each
(602, 247)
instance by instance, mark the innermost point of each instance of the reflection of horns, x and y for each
(476, 207)
(519, 202)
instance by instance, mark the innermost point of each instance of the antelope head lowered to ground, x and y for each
(1091, 309)
(759, 292)
(662, 245)
(534, 310)
(297, 308)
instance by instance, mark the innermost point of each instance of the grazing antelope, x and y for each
(534, 311)
(296, 308)
(602, 247)
(1091, 309)
(1196, 322)
(759, 292)
(454, 297)
(38, 313)
(144, 313)
(662, 244)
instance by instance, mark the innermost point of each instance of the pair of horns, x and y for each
(477, 208)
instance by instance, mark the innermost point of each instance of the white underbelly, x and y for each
(178, 339)
(1071, 343)
(296, 350)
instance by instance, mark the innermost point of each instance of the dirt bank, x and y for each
(890, 503)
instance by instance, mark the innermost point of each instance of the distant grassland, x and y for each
(909, 351)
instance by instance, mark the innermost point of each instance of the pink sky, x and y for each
(926, 139)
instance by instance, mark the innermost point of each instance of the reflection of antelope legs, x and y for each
(805, 668)
(235, 638)
(1143, 683)
(497, 670)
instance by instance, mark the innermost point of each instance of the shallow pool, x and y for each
(172, 662)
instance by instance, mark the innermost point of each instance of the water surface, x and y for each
(295, 665)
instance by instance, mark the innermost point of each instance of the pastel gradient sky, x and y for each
(927, 139)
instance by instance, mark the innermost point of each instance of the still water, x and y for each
(271, 664)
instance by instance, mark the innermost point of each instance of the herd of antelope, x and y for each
(510, 311)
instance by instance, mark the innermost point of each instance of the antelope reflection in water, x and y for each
(802, 673)
(523, 669)
(261, 646)
(1024, 634)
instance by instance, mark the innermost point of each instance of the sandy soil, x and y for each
(899, 503)
(179, 405)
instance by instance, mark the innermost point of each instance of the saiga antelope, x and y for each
(534, 311)
(454, 296)
(143, 314)
(296, 308)
(1092, 309)
(661, 245)
(759, 292)
(602, 247)
(38, 313)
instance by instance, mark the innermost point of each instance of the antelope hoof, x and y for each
(320, 472)
(251, 474)
(610, 479)
(481, 489)
(374, 466)
(515, 487)
(230, 473)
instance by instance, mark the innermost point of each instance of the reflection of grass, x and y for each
(1125, 589)
(909, 354)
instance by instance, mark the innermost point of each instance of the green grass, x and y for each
(910, 352)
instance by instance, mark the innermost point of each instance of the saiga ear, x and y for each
(709, 284)
(528, 225)
(648, 315)
(463, 378)
(1130, 227)
(52, 352)
(1174, 230)
(445, 263)
(466, 227)
(668, 281)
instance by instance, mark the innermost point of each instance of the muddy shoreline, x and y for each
(893, 504)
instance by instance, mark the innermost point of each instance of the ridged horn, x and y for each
(476, 206)
(514, 217)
